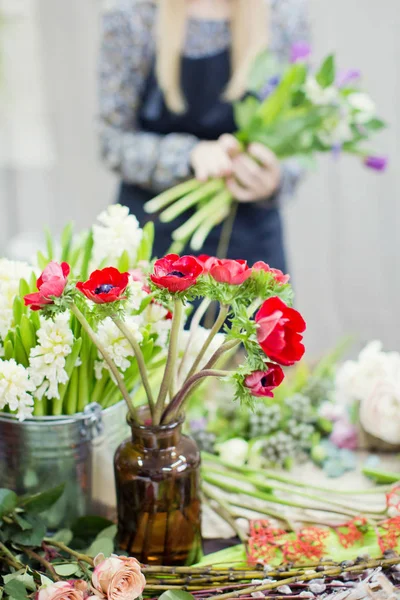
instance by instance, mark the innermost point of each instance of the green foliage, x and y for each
(327, 73)
(176, 595)
(41, 502)
(8, 502)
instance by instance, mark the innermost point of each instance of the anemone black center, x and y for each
(104, 289)
(176, 274)
(264, 381)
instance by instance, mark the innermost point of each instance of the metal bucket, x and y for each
(43, 452)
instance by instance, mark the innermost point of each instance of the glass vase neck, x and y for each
(157, 438)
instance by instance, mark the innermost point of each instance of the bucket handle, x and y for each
(92, 425)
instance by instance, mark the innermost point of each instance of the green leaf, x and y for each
(42, 262)
(20, 354)
(24, 288)
(8, 350)
(108, 532)
(176, 595)
(101, 546)
(49, 244)
(145, 249)
(63, 535)
(87, 253)
(245, 111)
(38, 503)
(33, 536)
(22, 576)
(18, 310)
(66, 569)
(45, 581)
(28, 334)
(16, 590)
(263, 68)
(375, 125)
(326, 75)
(8, 501)
(66, 241)
(273, 106)
(70, 363)
(23, 523)
(90, 527)
(123, 263)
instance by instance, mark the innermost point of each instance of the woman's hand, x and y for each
(211, 159)
(257, 179)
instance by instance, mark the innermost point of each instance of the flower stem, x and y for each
(171, 361)
(67, 550)
(198, 315)
(224, 511)
(112, 366)
(227, 347)
(140, 361)
(11, 559)
(41, 560)
(223, 313)
(176, 404)
(227, 230)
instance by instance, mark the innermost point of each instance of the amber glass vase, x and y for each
(158, 495)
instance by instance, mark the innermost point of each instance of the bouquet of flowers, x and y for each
(254, 301)
(49, 364)
(294, 111)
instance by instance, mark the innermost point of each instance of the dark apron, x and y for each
(257, 232)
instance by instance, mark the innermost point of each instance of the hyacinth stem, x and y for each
(227, 229)
(198, 315)
(171, 361)
(166, 198)
(175, 406)
(265, 473)
(224, 511)
(206, 189)
(200, 216)
(266, 487)
(220, 213)
(112, 366)
(140, 361)
(236, 489)
(223, 313)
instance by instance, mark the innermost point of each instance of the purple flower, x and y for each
(300, 52)
(344, 78)
(269, 87)
(344, 435)
(378, 163)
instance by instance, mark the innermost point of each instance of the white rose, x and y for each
(363, 104)
(319, 95)
(380, 412)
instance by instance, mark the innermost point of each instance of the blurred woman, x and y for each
(169, 73)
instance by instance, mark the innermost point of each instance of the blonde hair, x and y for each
(249, 25)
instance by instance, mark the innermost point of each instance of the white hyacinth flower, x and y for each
(47, 359)
(196, 344)
(234, 451)
(136, 296)
(16, 388)
(365, 107)
(11, 272)
(319, 95)
(118, 232)
(116, 343)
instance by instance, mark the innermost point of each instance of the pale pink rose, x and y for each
(62, 590)
(117, 578)
(380, 412)
(344, 435)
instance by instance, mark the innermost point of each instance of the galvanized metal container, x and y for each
(42, 452)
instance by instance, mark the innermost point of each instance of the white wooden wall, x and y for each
(342, 228)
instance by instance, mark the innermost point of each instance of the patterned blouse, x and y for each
(153, 161)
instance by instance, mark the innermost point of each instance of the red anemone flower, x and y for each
(104, 286)
(175, 273)
(279, 331)
(233, 272)
(262, 383)
(50, 284)
(279, 276)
